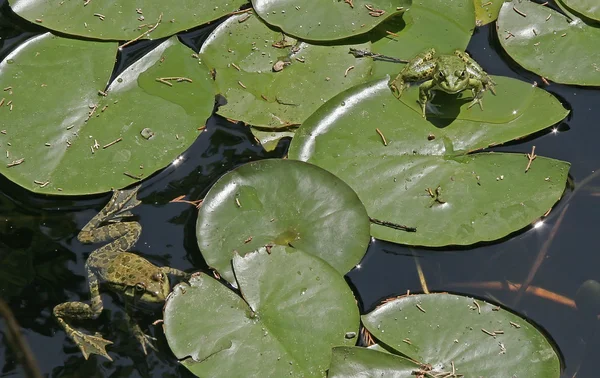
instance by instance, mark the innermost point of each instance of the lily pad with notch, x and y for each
(420, 172)
(282, 202)
(122, 20)
(316, 20)
(560, 48)
(452, 334)
(66, 133)
(292, 309)
(271, 80)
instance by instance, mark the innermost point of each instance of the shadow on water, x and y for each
(42, 263)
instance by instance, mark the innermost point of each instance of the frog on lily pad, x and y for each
(448, 73)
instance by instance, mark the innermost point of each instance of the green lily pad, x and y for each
(440, 24)
(122, 20)
(293, 309)
(586, 8)
(486, 11)
(357, 362)
(456, 333)
(282, 202)
(480, 197)
(241, 53)
(550, 44)
(316, 20)
(71, 139)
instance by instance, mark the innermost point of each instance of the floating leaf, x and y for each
(587, 8)
(71, 139)
(294, 308)
(440, 24)
(282, 202)
(243, 56)
(317, 20)
(550, 44)
(122, 20)
(452, 333)
(423, 178)
(355, 362)
(486, 11)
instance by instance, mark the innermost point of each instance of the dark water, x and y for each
(41, 261)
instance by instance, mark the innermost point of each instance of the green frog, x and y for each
(448, 73)
(126, 273)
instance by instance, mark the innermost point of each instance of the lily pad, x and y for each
(486, 11)
(64, 136)
(241, 53)
(355, 362)
(293, 309)
(452, 333)
(587, 8)
(550, 44)
(317, 20)
(440, 24)
(122, 20)
(282, 202)
(424, 177)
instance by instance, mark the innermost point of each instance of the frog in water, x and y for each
(448, 73)
(126, 273)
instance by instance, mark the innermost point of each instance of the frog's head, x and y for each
(152, 287)
(450, 75)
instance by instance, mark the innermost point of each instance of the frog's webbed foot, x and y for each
(146, 341)
(476, 100)
(120, 203)
(90, 344)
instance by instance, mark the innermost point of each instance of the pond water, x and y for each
(42, 263)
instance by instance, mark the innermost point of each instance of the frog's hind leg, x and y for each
(117, 208)
(416, 69)
(88, 344)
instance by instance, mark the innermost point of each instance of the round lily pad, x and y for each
(318, 20)
(455, 334)
(293, 309)
(122, 20)
(282, 202)
(440, 24)
(66, 133)
(417, 172)
(272, 80)
(550, 44)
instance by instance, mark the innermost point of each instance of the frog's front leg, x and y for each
(175, 272)
(418, 68)
(88, 344)
(477, 88)
(425, 94)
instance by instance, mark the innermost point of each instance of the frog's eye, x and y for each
(440, 75)
(157, 277)
(463, 74)
(140, 287)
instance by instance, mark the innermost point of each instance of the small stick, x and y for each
(111, 143)
(132, 176)
(382, 136)
(421, 308)
(392, 225)
(16, 162)
(531, 158)
(143, 34)
(478, 307)
(363, 53)
(348, 70)
(519, 12)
